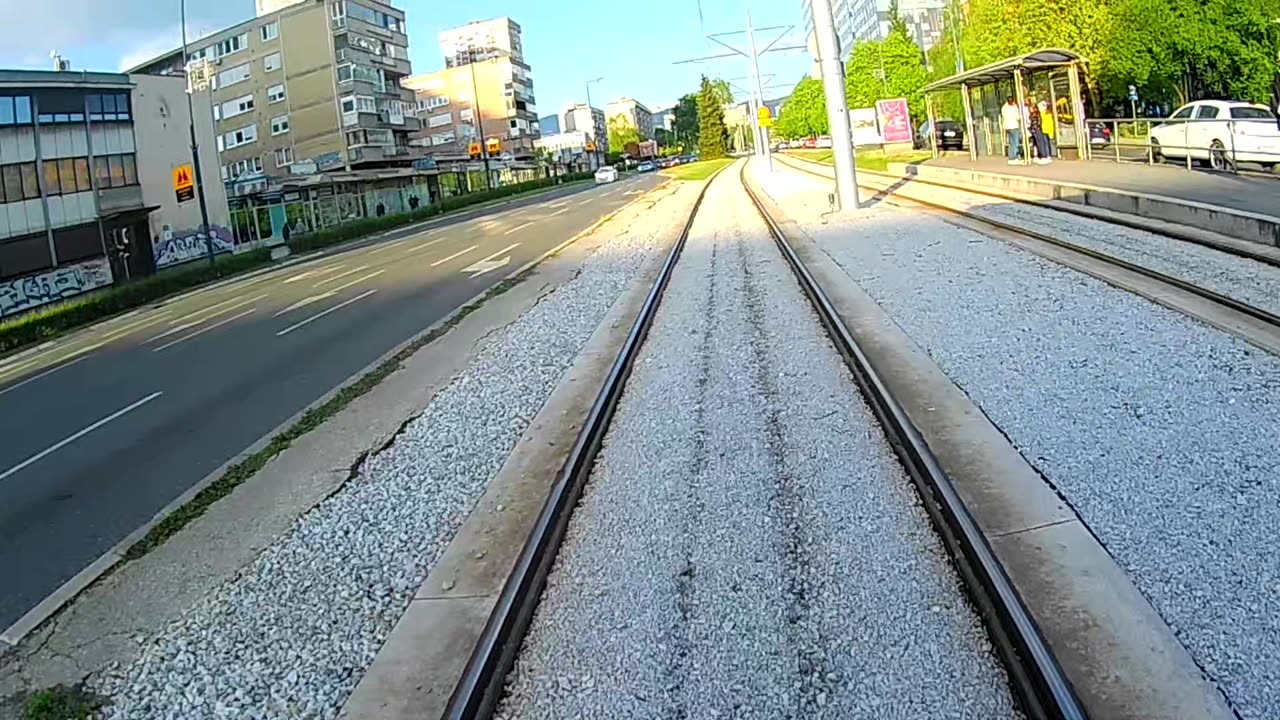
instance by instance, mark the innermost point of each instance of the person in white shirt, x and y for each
(1011, 123)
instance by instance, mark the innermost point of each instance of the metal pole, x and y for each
(969, 127)
(933, 125)
(837, 105)
(763, 134)
(1023, 138)
(955, 38)
(475, 106)
(195, 147)
(591, 118)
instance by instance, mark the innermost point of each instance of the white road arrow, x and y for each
(493, 262)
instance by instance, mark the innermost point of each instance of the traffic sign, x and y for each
(763, 118)
(474, 149)
(591, 147)
(493, 145)
(183, 183)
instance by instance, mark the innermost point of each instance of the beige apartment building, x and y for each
(488, 99)
(308, 86)
(634, 114)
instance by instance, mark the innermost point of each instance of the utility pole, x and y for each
(475, 107)
(837, 105)
(955, 34)
(764, 148)
(595, 132)
(195, 147)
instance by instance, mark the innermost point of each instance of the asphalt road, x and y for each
(104, 429)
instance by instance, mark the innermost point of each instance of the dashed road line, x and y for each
(519, 227)
(321, 314)
(205, 329)
(67, 441)
(339, 276)
(454, 256)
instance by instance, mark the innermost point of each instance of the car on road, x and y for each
(949, 134)
(606, 174)
(1219, 134)
(646, 166)
(1099, 133)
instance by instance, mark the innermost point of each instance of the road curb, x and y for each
(60, 598)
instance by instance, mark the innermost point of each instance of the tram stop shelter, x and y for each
(1049, 74)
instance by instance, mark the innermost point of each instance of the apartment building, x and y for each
(869, 20)
(80, 192)
(481, 40)
(578, 117)
(307, 86)
(634, 114)
(488, 99)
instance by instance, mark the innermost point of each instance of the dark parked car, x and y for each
(1099, 133)
(949, 135)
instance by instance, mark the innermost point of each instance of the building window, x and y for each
(284, 157)
(231, 76)
(20, 182)
(112, 171)
(15, 110)
(271, 62)
(275, 93)
(344, 73)
(280, 125)
(270, 31)
(439, 120)
(374, 17)
(232, 108)
(236, 138)
(108, 107)
(359, 103)
(443, 138)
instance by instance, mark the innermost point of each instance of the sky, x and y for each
(632, 46)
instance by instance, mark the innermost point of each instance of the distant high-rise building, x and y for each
(484, 70)
(481, 40)
(869, 20)
(634, 114)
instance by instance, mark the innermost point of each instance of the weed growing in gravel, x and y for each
(61, 702)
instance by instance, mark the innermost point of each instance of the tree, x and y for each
(686, 125)
(713, 139)
(665, 137)
(804, 114)
(889, 68)
(722, 91)
(622, 133)
(897, 23)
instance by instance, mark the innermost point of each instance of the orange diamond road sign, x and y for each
(183, 182)
(591, 147)
(762, 116)
(474, 149)
(493, 145)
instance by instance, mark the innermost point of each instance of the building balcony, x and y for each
(111, 200)
(386, 154)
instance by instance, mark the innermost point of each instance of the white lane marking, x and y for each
(585, 202)
(306, 301)
(562, 203)
(424, 246)
(359, 280)
(205, 329)
(456, 255)
(58, 446)
(518, 228)
(197, 320)
(558, 212)
(388, 246)
(314, 273)
(13, 367)
(341, 275)
(319, 315)
(490, 263)
(50, 371)
(198, 311)
(134, 326)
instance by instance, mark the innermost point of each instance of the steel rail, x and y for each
(1038, 680)
(480, 687)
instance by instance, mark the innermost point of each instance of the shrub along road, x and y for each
(105, 429)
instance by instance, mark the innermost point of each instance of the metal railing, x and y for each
(1218, 144)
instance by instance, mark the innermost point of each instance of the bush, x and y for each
(368, 226)
(52, 320)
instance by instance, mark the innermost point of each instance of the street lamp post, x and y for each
(591, 114)
(479, 117)
(195, 147)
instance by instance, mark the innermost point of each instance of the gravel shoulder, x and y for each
(1156, 428)
(290, 633)
(747, 545)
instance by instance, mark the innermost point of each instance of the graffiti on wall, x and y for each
(22, 294)
(178, 246)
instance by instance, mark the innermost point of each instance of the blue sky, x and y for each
(632, 45)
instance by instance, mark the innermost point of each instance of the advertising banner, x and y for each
(862, 124)
(895, 120)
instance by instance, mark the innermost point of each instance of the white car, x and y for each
(606, 174)
(1219, 133)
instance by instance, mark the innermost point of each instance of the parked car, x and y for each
(646, 166)
(949, 135)
(823, 142)
(1099, 133)
(606, 174)
(1219, 134)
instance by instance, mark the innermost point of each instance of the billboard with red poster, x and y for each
(895, 120)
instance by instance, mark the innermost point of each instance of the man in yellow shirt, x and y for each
(1049, 126)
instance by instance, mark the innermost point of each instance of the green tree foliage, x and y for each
(686, 125)
(804, 114)
(722, 91)
(713, 138)
(621, 134)
(888, 68)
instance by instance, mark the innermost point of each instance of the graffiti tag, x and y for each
(187, 245)
(22, 294)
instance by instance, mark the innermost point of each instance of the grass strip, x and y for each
(61, 702)
(700, 170)
(865, 159)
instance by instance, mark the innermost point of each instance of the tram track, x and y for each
(1256, 325)
(1034, 674)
